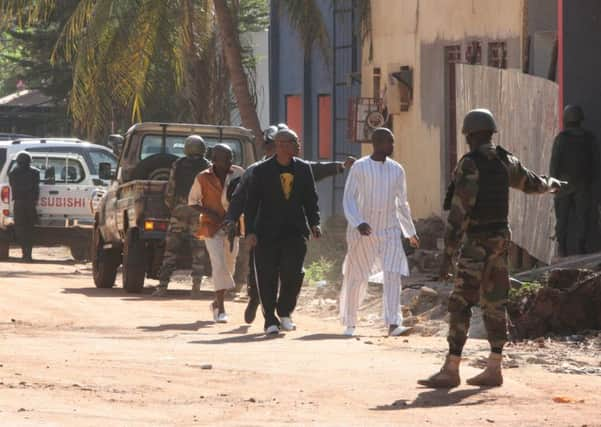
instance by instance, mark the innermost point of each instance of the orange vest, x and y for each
(212, 190)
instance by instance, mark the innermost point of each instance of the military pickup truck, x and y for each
(132, 219)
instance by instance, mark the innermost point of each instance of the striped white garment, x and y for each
(376, 194)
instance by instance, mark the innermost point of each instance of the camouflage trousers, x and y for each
(183, 227)
(482, 278)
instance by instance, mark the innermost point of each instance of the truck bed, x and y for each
(145, 198)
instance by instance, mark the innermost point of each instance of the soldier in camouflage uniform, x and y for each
(479, 210)
(183, 224)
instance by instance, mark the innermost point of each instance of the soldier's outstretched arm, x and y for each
(463, 201)
(524, 179)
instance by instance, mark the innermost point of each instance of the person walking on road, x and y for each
(576, 159)
(479, 210)
(208, 196)
(321, 170)
(183, 223)
(378, 215)
(281, 212)
(24, 182)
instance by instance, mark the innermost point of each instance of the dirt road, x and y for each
(71, 354)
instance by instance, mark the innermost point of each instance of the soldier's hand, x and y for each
(316, 231)
(364, 229)
(555, 184)
(350, 160)
(445, 269)
(252, 240)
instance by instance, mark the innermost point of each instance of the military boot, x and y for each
(491, 376)
(447, 377)
(160, 291)
(195, 292)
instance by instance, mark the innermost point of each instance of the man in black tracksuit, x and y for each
(281, 212)
(25, 185)
(321, 170)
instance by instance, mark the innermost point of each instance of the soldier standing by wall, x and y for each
(183, 224)
(575, 159)
(25, 185)
(479, 209)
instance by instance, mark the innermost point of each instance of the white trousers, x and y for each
(223, 261)
(353, 291)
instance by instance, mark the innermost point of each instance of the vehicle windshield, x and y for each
(174, 144)
(101, 156)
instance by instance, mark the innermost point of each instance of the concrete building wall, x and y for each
(415, 33)
(260, 43)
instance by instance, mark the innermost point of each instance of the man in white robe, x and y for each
(378, 215)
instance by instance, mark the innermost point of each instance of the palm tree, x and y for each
(122, 51)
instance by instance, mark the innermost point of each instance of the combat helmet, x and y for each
(479, 120)
(194, 145)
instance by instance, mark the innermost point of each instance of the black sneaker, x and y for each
(251, 310)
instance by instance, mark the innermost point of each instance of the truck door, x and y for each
(65, 190)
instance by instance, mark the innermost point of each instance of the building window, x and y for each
(473, 53)
(453, 54)
(324, 124)
(377, 82)
(294, 114)
(497, 54)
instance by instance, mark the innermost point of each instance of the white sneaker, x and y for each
(215, 312)
(349, 331)
(222, 318)
(272, 330)
(398, 331)
(287, 324)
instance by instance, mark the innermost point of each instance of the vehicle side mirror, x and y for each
(104, 171)
(50, 175)
(116, 143)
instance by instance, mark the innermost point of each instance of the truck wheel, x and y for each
(134, 262)
(104, 262)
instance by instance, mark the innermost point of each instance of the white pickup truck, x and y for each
(69, 195)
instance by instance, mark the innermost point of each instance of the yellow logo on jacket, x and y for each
(287, 180)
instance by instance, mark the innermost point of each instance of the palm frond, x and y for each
(306, 18)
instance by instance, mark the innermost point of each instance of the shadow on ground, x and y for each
(437, 398)
(145, 295)
(38, 261)
(194, 326)
(248, 338)
(28, 274)
(323, 337)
